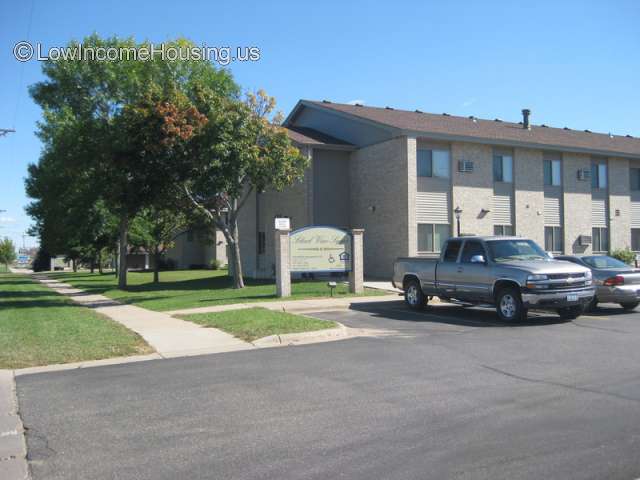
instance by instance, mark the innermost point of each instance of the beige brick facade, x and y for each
(577, 202)
(380, 201)
(383, 186)
(529, 194)
(473, 192)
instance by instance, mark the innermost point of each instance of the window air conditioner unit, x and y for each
(465, 166)
(584, 240)
(584, 174)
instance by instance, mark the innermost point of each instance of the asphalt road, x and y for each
(447, 394)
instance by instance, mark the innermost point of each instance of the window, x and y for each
(600, 239)
(262, 243)
(503, 168)
(634, 178)
(471, 248)
(552, 172)
(431, 236)
(635, 239)
(553, 239)
(451, 253)
(598, 175)
(433, 163)
(503, 230)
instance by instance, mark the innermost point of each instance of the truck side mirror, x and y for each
(478, 259)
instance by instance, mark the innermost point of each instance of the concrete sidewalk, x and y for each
(169, 336)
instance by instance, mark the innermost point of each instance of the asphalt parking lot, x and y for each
(449, 393)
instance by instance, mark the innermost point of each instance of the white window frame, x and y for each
(556, 173)
(435, 248)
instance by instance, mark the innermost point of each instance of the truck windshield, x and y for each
(510, 250)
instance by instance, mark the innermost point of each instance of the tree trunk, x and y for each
(156, 264)
(74, 264)
(122, 270)
(93, 264)
(238, 281)
(116, 260)
(100, 262)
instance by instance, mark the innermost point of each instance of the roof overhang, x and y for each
(515, 143)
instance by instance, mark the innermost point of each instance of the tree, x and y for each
(7, 252)
(240, 151)
(155, 229)
(118, 127)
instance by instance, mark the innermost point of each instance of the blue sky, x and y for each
(573, 64)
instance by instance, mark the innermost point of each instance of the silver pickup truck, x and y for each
(511, 273)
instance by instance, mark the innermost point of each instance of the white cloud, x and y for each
(469, 102)
(7, 220)
(353, 102)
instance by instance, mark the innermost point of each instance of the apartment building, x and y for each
(411, 179)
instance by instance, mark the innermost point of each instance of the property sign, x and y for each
(282, 223)
(320, 249)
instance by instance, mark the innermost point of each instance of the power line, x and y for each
(5, 131)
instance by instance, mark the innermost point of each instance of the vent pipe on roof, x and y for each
(525, 118)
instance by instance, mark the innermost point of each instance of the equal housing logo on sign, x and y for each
(320, 249)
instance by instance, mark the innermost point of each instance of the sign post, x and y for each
(283, 270)
(356, 275)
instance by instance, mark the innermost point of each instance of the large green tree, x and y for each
(240, 151)
(120, 127)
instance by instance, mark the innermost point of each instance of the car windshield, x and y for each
(604, 262)
(510, 250)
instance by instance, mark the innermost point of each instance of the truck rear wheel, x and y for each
(509, 305)
(414, 296)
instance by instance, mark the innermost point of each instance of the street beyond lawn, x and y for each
(41, 327)
(193, 288)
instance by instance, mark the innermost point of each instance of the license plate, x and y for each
(572, 297)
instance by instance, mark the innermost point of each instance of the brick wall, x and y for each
(380, 202)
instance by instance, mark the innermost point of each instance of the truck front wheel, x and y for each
(509, 305)
(414, 295)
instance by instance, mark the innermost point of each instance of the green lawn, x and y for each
(249, 324)
(193, 288)
(3, 268)
(41, 327)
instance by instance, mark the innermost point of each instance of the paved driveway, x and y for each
(447, 394)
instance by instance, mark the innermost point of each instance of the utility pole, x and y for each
(5, 131)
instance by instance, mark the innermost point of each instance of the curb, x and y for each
(13, 447)
(340, 332)
(59, 367)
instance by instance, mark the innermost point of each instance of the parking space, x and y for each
(446, 317)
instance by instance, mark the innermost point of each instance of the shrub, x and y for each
(216, 264)
(166, 264)
(42, 262)
(626, 256)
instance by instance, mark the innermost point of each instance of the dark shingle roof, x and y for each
(491, 130)
(309, 136)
